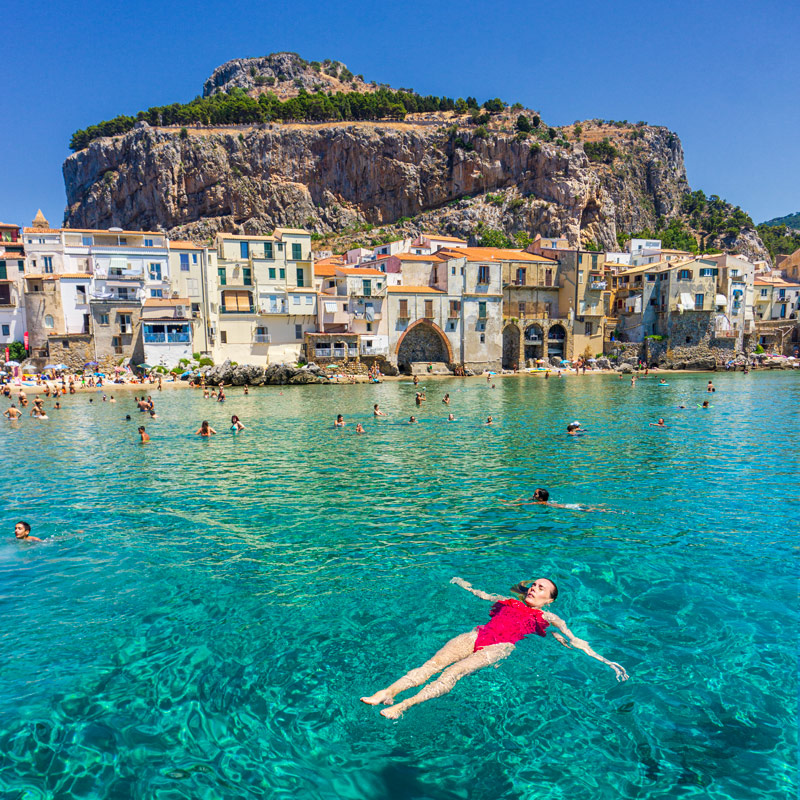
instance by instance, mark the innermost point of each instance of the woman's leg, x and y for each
(448, 679)
(455, 650)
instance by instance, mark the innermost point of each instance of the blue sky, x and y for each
(723, 75)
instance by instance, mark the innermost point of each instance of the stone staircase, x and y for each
(437, 368)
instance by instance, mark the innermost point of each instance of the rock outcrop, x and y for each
(272, 375)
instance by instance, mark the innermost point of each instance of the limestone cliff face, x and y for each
(330, 176)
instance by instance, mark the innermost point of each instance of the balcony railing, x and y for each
(251, 310)
(279, 309)
(529, 310)
(163, 338)
(598, 286)
(372, 351)
(533, 340)
(262, 338)
(323, 352)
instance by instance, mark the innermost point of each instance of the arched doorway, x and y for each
(534, 341)
(511, 337)
(422, 341)
(556, 339)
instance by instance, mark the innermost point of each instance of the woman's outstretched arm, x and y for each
(580, 644)
(477, 592)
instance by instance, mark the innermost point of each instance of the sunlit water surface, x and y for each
(206, 613)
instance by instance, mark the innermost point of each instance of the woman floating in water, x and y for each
(511, 620)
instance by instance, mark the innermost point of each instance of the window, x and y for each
(104, 319)
(298, 331)
(520, 276)
(297, 252)
(237, 302)
(124, 323)
(483, 274)
(429, 309)
(295, 299)
(455, 309)
(548, 277)
(707, 272)
(651, 277)
(451, 324)
(184, 262)
(280, 247)
(462, 272)
(223, 337)
(261, 334)
(580, 276)
(684, 275)
(268, 250)
(452, 270)
(6, 330)
(80, 295)
(588, 328)
(763, 292)
(193, 287)
(300, 277)
(222, 279)
(194, 258)
(403, 312)
(483, 338)
(282, 274)
(247, 276)
(48, 264)
(87, 241)
(148, 242)
(734, 273)
(195, 308)
(116, 343)
(594, 262)
(369, 325)
(481, 325)
(155, 272)
(783, 311)
(482, 309)
(122, 240)
(653, 301)
(244, 249)
(366, 287)
(271, 273)
(521, 305)
(698, 301)
(156, 293)
(309, 299)
(49, 322)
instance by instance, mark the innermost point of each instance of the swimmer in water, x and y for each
(360, 428)
(205, 429)
(418, 399)
(57, 405)
(412, 419)
(12, 413)
(489, 421)
(339, 423)
(659, 424)
(144, 437)
(541, 497)
(446, 399)
(236, 424)
(574, 429)
(710, 387)
(662, 382)
(22, 530)
(246, 390)
(451, 418)
(705, 404)
(376, 412)
(511, 620)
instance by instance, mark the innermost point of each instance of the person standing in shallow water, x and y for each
(511, 621)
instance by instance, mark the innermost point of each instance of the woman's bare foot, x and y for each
(382, 696)
(393, 712)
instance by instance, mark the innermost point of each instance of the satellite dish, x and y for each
(115, 230)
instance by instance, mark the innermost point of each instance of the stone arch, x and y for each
(534, 342)
(423, 341)
(557, 340)
(511, 338)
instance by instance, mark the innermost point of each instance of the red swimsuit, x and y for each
(511, 621)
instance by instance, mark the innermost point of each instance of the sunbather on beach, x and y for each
(511, 621)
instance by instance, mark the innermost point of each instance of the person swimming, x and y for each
(22, 531)
(376, 412)
(451, 417)
(659, 424)
(710, 387)
(489, 421)
(144, 437)
(205, 429)
(360, 428)
(236, 424)
(339, 423)
(412, 419)
(512, 619)
(574, 429)
(446, 399)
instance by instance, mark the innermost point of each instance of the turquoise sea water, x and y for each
(206, 613)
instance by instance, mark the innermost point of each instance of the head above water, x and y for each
(537, 593)
(22, 530)
(541, 494)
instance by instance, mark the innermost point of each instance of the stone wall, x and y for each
(74, 350)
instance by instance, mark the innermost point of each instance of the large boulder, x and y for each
(602, 363)
(625, 367)
(303, 377)
(280, 375)
(774, 363)
(708, 364)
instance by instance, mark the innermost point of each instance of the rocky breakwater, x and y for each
(272, 375)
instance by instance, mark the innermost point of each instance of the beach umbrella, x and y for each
(30, 370)
(144, 366)
(100, 374)
(184, 374)
(51, 366)
(91, 364)
(12, 363)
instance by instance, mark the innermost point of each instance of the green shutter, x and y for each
(3, 271)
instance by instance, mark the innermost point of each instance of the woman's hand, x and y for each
(619, 670)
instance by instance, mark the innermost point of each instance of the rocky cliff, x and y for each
(331, 176)
(434, 170)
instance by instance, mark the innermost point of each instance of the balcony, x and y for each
(373, 351)
(277, 309)
(250, 310)
(598, 286)
(118, 276)
(533, 340)
(168, 338)
(262, 338)
(323, 352)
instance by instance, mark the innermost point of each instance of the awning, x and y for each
(369, 313)
(721, 300)
(118, 263)
(330, 308)
(686, 301)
